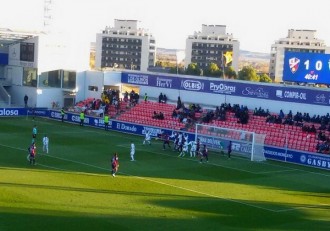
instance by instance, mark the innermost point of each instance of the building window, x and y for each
(54, 79)
(93, 88)
(30, 77)
(69, 79)
(27, 52)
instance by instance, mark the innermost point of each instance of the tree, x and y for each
(213, 70)
(248, 73)
(265, 78)
(193, 69)
(179, 70)
(230, 73)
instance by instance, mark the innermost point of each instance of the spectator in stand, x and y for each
(321, 136)
(178, 103)
(145, 97)
(312, 129)
(174, 114)
(306, 117)
(164, 99)
(281, 115)
(288, 120)
(161, 116)
(126, 96)
(323, 126)
(306, 128)
(323, 147)
(160, 98)
(198, 108)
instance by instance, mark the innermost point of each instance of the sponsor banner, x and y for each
(297, 157)
(193, 85)
(12, 112)
(150, 80)
(269, 92)
(38, 112)
(23, 112)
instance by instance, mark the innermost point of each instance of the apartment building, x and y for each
(125, 46)
(212, 45)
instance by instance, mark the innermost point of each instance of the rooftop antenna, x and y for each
(48, 6)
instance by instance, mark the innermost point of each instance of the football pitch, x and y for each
(72, 188)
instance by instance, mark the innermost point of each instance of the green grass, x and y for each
(71, 188)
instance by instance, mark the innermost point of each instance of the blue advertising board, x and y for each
(306, 67)
(24, 111)
(12, 112)
(4, 58)
(280, 154)
(258, 91)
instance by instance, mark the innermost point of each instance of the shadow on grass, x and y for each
(196, 214)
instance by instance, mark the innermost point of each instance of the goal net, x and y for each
(244, 143)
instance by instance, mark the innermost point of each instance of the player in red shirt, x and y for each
(166, 139)
(205, 154)
(32, 151)
(114, 164)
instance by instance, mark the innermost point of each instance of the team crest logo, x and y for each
(294, 64)
(303, 158)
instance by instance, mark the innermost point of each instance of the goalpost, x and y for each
(245, 143)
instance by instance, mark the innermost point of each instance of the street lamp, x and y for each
(179, 57)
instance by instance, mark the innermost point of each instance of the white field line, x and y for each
(317, 206)
(214, 164)
(193, 160)
(147, 179)
(94, 130)
(278, 171)
(170, 185)
(287, 168)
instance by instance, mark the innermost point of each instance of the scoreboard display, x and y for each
(306, 67)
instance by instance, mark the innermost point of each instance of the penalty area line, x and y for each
(169, 185)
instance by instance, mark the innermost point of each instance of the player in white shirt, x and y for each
(184, 149)
(175, 136)
(193, 148)
(132, 151)
(147, 138)
(186, 138)
(45, 142)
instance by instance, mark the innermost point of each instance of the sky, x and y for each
(257, 24)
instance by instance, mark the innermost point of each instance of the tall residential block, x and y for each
(125, 46)
(212, 45)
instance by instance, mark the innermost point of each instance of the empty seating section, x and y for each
(142, 114)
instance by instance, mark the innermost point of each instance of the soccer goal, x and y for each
(245, 143)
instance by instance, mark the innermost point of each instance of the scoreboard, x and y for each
(306, 67)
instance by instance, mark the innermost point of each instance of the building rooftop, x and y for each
(9, 36)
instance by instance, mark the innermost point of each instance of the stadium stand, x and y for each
(143, 112)
(280, 134)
